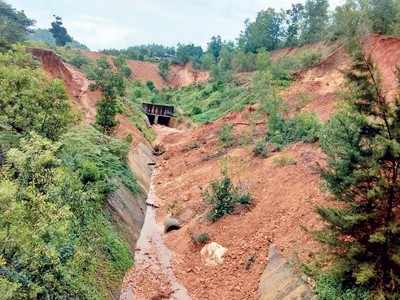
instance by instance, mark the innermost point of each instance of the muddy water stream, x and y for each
(153, 258)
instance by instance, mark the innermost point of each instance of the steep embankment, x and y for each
(128, 210)
(180, 75)
(285, 191)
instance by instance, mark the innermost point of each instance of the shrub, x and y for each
(196, 111)
(224, 196)
(29, 101)
(78, 60)
(284, 160)
(164, 69)
(328, 287)
(225, 135)
(150, 85)
(304, 127)
(261, 149)
(107, 109)
(200, 239)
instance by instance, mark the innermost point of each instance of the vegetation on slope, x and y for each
(56, 240)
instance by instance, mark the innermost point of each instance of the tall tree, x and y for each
(363, 148)
(14, 25)
(214, 47)
(294, 18)
(382, 14)
(59, 32)
(265, 32)
(316, 20)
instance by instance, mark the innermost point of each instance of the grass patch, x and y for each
(284, 160)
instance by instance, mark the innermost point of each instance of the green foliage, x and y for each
(151, 52)
(98, 157)
(244, 62)
(14, 25)
(59, 32)
(122, 66)
(107, 109)
(207, 102)
(293, 19)
(200, 239)
(362, 144)
(264, 33)
(303, 127)
(79, 60)
(41, 254)
(315, 21)
(190, 52)
(226, 136)
(214, 47)
(224, 197)
(28, 99)
(261, 149)
(151, 86)
(112, 86)
(284, 160)
(164, 69)
(328, 287)
(45, 36)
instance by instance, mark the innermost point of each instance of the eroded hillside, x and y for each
(143, 71)
(286, 187)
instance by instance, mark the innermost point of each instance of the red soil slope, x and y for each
(284, 196)
(180, 76)
(317, 89)
(84, 101)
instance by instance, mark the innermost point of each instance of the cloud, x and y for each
(121, 23)
(98, 32)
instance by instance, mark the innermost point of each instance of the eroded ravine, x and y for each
(152, 276)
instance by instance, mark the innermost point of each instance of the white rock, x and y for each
(213, 254)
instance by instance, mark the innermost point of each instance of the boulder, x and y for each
(279, 281)
(212, 254)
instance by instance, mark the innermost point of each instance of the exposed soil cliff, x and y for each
(180, 75)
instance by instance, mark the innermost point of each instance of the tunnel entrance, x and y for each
(159, 113)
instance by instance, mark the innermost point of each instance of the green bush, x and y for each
(224, 196)
(200, 239)
(261, 149)
(29, 101)
(304, 127)
(330, 288)
(226, 136)
(79, 61)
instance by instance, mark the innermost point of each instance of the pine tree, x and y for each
(59, 32)
(362, 144)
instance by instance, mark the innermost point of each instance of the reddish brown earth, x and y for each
(284, 196)
(180, 76)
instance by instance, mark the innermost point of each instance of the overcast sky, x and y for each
(121, 23)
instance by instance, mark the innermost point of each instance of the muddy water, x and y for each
(152, 254)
